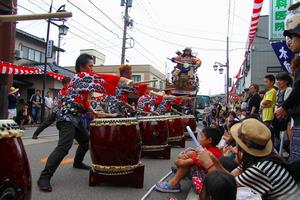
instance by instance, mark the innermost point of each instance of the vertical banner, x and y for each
(278, 12)
(283, 54)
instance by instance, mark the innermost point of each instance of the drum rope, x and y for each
(176, 138)
(115, 169)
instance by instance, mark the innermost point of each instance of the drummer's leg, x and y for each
(66, 136)
(82, 136)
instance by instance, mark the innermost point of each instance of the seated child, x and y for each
(218, 185)
(188, 161)
(23, 117)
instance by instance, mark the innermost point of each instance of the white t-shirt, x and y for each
(48, 102)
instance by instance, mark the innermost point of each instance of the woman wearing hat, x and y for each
(291, 105)
(259, 169)
(12, 102)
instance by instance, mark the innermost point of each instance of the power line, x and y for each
(89, 35)
(79, 36)
(187, 35)
(106, 15)
(93, 19)
(145, 49)
(174, 43)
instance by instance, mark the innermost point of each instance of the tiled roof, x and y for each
(54, 68)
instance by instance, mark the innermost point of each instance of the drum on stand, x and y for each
(176, 132)
(189, 120)
(155, 132)
(15, 176)
(115, 147)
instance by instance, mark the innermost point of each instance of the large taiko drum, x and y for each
(176, 131)
(115, 147)
(189, 120)
(155, 133)
(15, 176)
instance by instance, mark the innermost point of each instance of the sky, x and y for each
(160, 28)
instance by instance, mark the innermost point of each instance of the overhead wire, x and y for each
(85, 33)
(91, 17)
(137, 42)
(79, 36)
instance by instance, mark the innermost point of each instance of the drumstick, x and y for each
(191, 133)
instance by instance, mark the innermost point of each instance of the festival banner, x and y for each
(283, 54)
(278, 12)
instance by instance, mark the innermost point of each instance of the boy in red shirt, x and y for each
(187, 160)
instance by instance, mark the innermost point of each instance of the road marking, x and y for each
(153, 187)
(63, 162)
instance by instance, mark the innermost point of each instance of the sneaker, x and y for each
(44, 184)
(164, 186)
(81, 166)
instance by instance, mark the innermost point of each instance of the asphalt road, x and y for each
(72, 184)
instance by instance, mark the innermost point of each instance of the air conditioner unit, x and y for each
(18, 54)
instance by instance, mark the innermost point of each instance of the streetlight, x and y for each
(219, 66)
(63, 29)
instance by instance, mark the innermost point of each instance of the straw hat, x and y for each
(13, 90)
(253, 137)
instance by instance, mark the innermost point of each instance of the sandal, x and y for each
(163, 186)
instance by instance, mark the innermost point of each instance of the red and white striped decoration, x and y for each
(251, 36)
(254, 21)
(8, 68)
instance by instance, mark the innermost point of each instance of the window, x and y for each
(154, 83)
(33, 55)
(25, 52)
(37, 56)
(161, 85)
(136, 78)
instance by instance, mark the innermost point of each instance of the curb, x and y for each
(192, 195)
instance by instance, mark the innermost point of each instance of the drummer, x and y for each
(166, 106)
(69, 123)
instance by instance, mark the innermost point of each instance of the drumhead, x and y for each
(153, 118)
(9, 128)
(188, 116)
(114, 121)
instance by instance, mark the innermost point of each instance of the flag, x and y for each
(283, 54)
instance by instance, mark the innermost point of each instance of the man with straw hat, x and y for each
(12, 102)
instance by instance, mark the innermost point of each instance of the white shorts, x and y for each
(12, 113)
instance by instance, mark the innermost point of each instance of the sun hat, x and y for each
(292, 20)
(13, 90)
(253, 137)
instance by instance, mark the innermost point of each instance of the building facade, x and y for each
(262, 60)
(30, 51)
(98, 57)
(139, 73)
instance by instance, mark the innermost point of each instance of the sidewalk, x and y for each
(48, 135)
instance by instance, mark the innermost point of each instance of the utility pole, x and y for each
(45, 65)
(127, 21)
(227, 55)
(7, 50)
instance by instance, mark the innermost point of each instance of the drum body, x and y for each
(115, 142)
(189, 120)
(176, 131)
(115, 147)
(154, 130)
(15, 176)
(175, 127)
